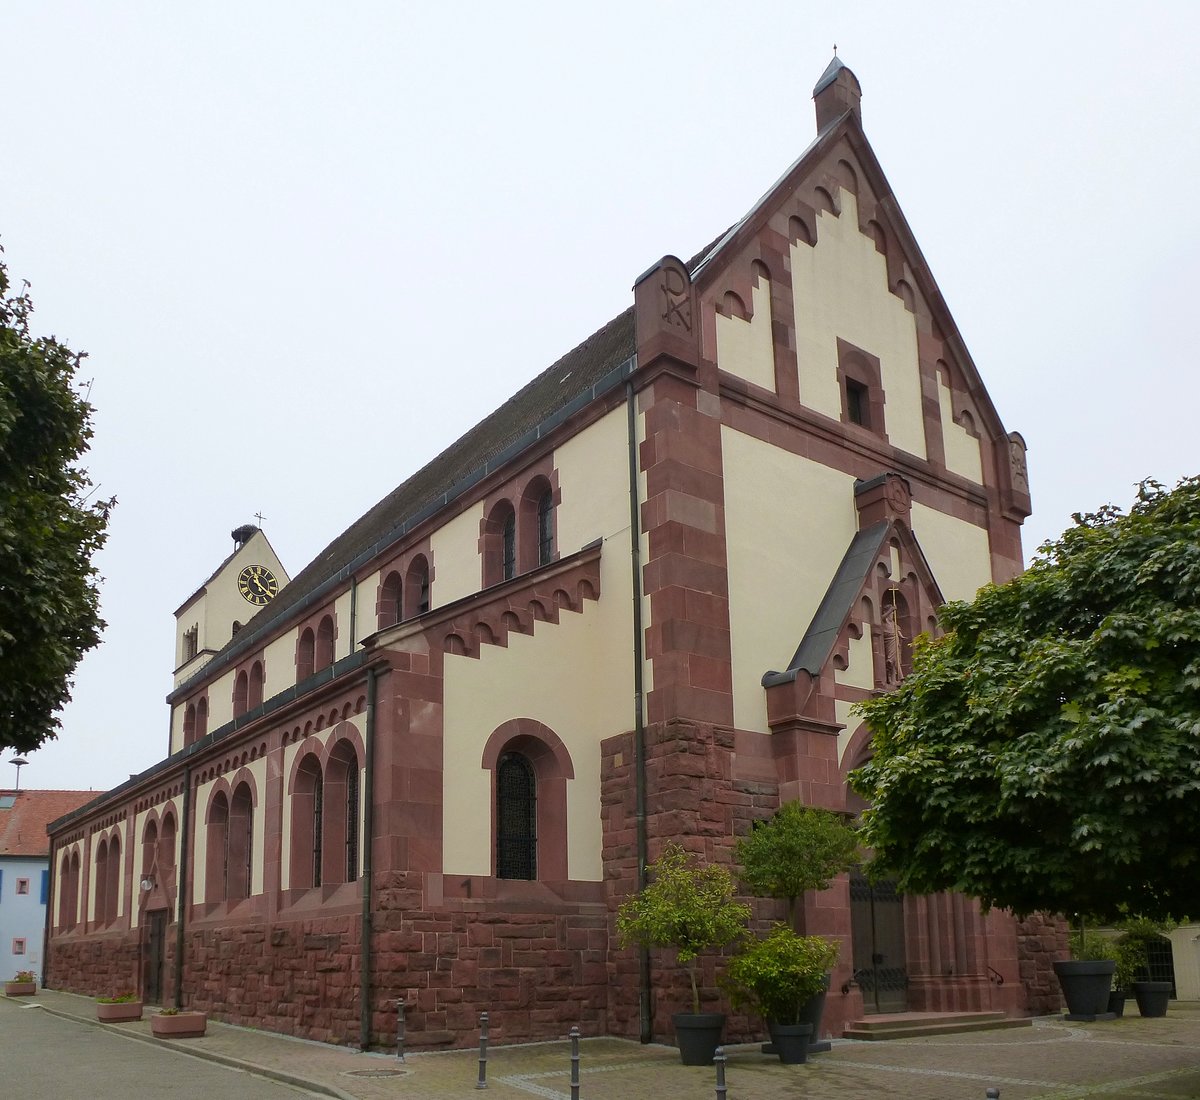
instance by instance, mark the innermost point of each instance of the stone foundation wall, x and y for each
(1041, 941)
(696, 801)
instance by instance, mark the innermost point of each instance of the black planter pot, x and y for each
(1152, 997)
(698, 1036)
(790, 1042)
(811, 1013)
(1116, 1002)
(1086, 985)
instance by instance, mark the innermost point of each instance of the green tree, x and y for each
(800, 848)
(49, 605)
(686, 905)
(1044, 754)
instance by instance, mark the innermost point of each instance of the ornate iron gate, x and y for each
(877, 925)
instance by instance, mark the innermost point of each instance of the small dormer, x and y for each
(241, 586)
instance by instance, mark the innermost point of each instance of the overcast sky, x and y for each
(307, 245)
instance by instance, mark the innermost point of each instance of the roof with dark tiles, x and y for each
(570, 377)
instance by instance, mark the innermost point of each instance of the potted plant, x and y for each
(778, 975)
(24, 984)
(119, 1009)
(1086, 978)
(800, 848)
(1151, 996)
(171, 1023)
(689, 907)
(1128, 960)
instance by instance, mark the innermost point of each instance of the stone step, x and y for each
(911, 1025)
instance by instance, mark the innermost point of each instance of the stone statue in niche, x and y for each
(1016, 461)
(891, 643)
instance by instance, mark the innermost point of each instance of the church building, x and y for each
(635, 604)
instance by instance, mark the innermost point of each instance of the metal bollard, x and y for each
(574, 1063)
(993, 1094)
(719, 1061)
(483, 1028)
(400, 1030)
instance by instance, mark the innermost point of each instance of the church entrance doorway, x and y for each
(877, 933)
(154, 949)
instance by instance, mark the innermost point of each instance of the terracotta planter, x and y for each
(20, 989)
(118, 1013)
(183, 1025)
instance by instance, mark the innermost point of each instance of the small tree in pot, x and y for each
(800, 848)
(690, 907)
(778, 975)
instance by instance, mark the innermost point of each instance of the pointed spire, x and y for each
(837, 92)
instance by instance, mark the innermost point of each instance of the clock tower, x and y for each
(244, 583)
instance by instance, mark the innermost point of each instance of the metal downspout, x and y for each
(181, 903)
(639, 730)
(364, 1027)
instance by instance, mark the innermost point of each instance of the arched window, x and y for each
(64, 893)
(516, 818)
(324, 654)
(101, 879)
(241, 693)
(73, 916)
(305, 655)
(239, 861)
(149, 848)
(508, 558)
(391, 601)
(308, 798)
(189, 724)
(166, 842)
(201, 718)
(416, 587)
(112, 903)
(254, 696)
(216, 872)
(545, 526)
(340, 817)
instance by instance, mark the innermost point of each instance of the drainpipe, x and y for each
(639, 729)
(353, 614)
(181, 903)
(364, 1027)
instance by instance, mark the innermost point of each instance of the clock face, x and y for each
(257, 584)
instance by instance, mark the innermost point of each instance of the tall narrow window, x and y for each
(516, 817)
(189, 724)
(324, 655)
(352, 824)
(857, 404)
(391, 601)
(545, 520)
(201, 718)
(241, 693)
(254, 694)
(73, 896)
(216, 871)
(240, 846)
(318, 828)
(305, 655)
(112, 906)
(510, 547)
(416, 587)
(101, 873)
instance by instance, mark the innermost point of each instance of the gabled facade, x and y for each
(635, 604)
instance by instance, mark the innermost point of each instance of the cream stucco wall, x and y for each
(456, 563)
(343, 644)
(957, 551)
(576, 676)
(220, 700)
(747, 348)
(279, 664)
(962, 448)
(840, 289)
(366, 597)
(787, 528)
(1185, 950)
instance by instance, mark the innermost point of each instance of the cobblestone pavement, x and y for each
(1127, 1059)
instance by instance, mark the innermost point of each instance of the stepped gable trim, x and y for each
(599, 365)
(849, 127)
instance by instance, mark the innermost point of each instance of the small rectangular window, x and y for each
(22, 886)
(856, 403)
(18, 947)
